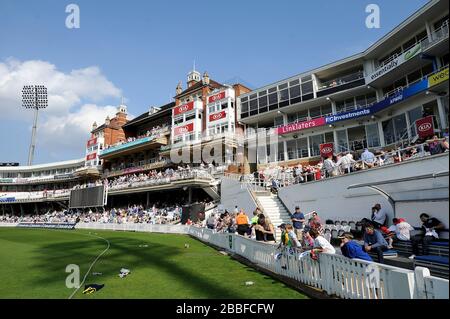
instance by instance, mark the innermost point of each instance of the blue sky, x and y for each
(142, 49)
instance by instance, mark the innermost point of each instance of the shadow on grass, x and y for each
(123, 252)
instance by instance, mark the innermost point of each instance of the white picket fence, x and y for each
(334, 274)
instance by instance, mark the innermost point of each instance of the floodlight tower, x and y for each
(34, 97)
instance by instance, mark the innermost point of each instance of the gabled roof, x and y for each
(199, 85)
(165, 110)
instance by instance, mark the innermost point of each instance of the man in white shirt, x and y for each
(401, 229)
(345, 163)
(320, 243)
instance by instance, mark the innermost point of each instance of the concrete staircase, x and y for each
(276, 211)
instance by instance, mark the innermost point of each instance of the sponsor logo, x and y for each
(300, 126)
(91, 156)
(424, 127)
(184, 129)
(217, 116)
(412, 52)
(348, 116)
(7, 200)
(183, 108)
(216, 97)
(92, 142)
(327, 150)
(438, 78)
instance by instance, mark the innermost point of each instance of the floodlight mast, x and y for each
(34, 97)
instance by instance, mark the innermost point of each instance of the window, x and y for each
(314, 112)
(395, 129)
(190, 117)
(307, 88)
(302, 115)
(294, 91)
(291, 149)
(224, 106)
(302, 147)
(326, 109)
(278, 121)
(342, 144)
(314, 144)
(372, 135)
(414, 115)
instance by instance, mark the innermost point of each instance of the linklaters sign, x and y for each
(408, 55)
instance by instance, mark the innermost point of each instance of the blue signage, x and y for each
(7, 199)
(126, 145)
(383, 104)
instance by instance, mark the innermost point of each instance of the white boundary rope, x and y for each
(93, 263)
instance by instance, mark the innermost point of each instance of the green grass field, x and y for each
(33, 263)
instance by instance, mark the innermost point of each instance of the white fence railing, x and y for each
(335, 274)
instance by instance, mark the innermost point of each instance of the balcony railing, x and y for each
(436, 36)
(342, 80)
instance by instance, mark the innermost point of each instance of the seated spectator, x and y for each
(378, 216)
(400, 229)
(375, 242)
(437, 146)
(430, 227)
(320, 243)
(242, 223)
(368, 158)
(211, 221)
(352, 249)
(265, 230)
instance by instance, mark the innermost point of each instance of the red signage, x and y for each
(92, 142)
(183, 129)
(216, 97)
(183, 108)
(326, 149)
(300, 126)
(425, 127)
(217, 116)
(92, 156)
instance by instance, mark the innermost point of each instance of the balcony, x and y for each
(135, 145)
(150, 164)
(342, 83)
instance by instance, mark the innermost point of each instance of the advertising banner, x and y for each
(438, 78)
(183, 108)
(217, 116)
(216, 97)
(326, 149)
(183, 129)
(7, 200)
(348, 115)
(425, 127)
(92, 142)
(91, 157)
(299, 126)
(408, 55)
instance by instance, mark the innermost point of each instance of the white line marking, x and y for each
(93, 263)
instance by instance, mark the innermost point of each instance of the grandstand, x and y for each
(335, 140)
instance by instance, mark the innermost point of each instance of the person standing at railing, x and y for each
(345, 163)
(321, 245)
(298, 220)
(329, 166)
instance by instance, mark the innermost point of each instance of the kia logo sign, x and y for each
(424, 127)
(327, 150)
(217, 116)
(183, 108)
(216, 97)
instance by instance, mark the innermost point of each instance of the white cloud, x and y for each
(75, 101)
